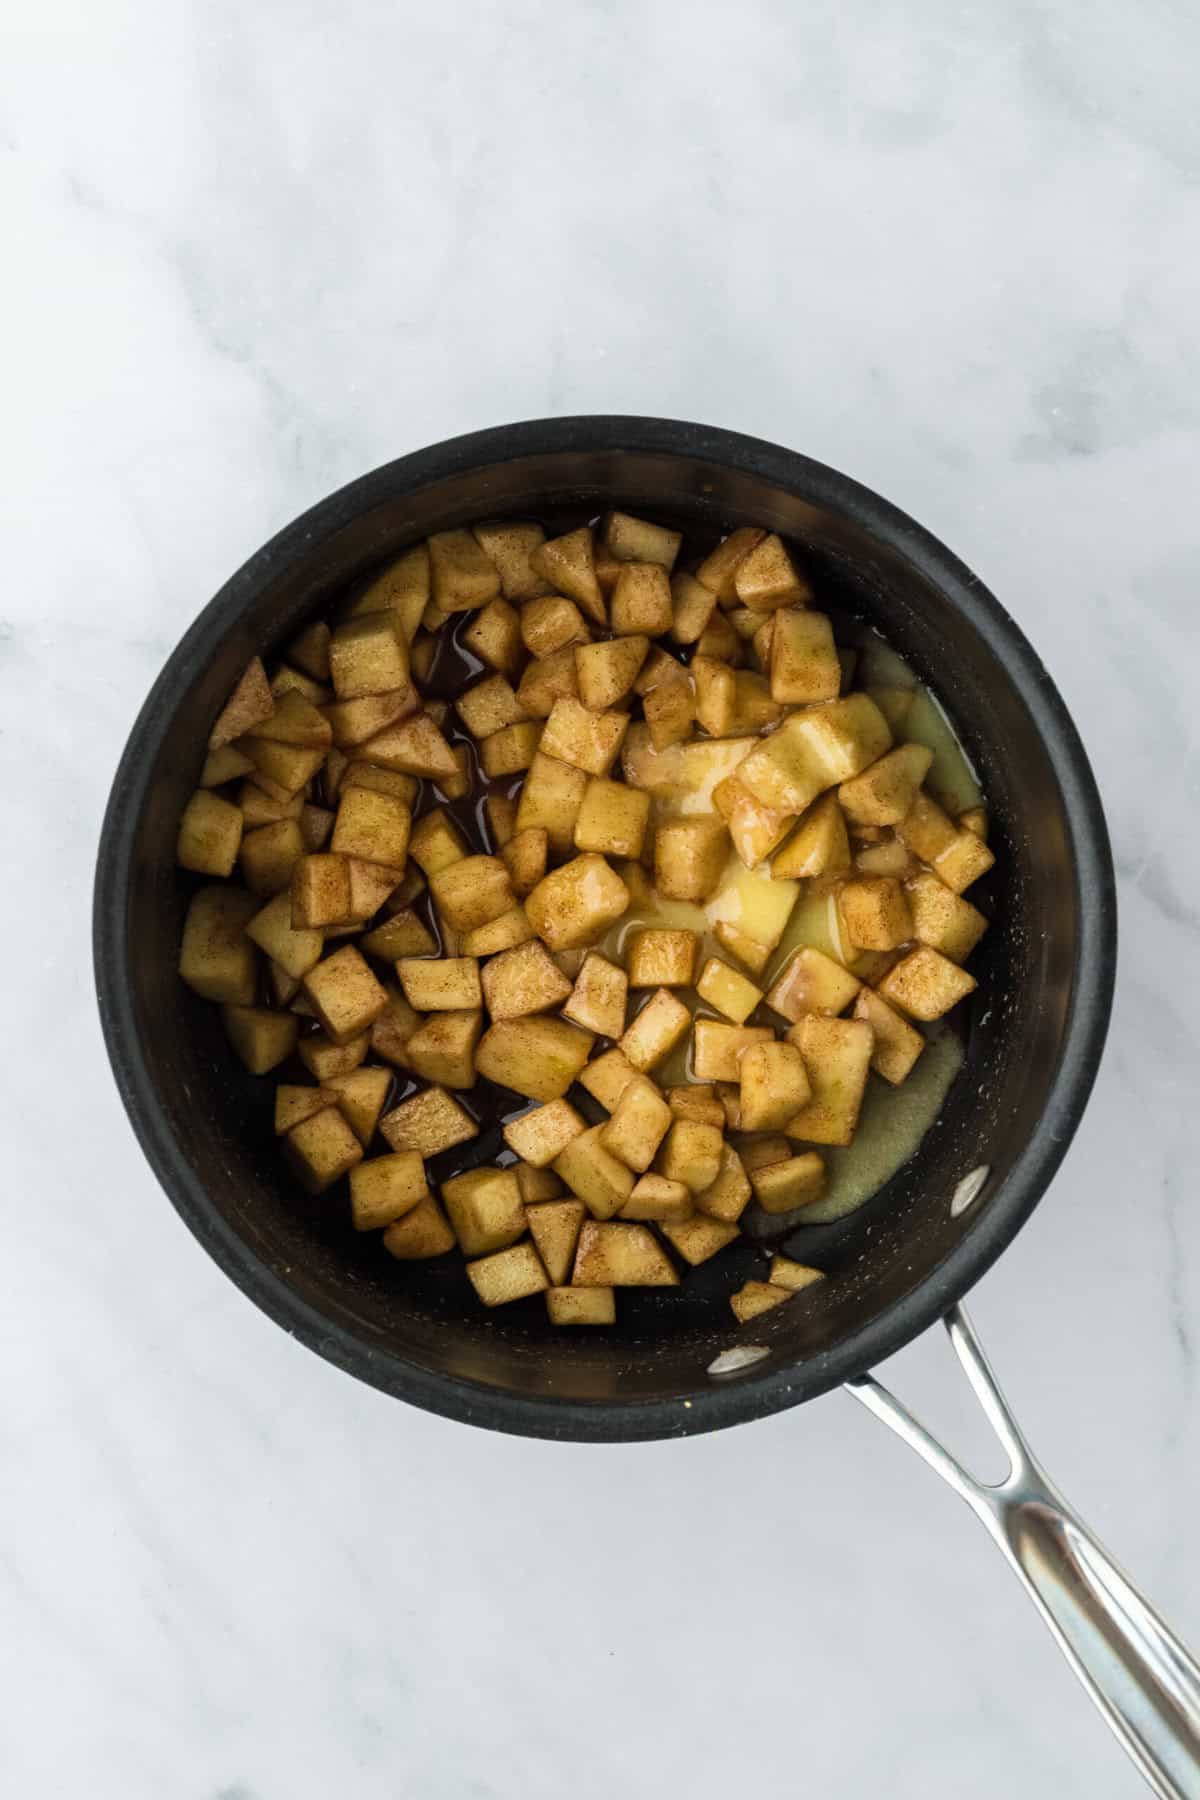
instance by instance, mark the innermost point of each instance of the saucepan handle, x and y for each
(1143, 1679)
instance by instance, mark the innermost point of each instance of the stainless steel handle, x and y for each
(1142, 1678)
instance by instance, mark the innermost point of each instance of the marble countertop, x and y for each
(253, 251)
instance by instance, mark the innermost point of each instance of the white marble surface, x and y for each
(253, 251)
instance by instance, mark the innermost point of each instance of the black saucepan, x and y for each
(1046, 968)
(675, 1363)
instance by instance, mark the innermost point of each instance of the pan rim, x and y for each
(780, 1382)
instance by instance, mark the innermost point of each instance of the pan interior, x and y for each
(383, 1318)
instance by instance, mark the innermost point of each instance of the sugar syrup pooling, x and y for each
(891, 1132)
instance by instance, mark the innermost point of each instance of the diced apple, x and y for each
(554, 1226)
(575, 905)
(661, 958)
(551, 796)
(509, 544)
(216, 958)
(431, 1121)
(616, 1254)
(383, 1189)
(472, 891)
(897, 1045)
(641, 601)
(774, 1086)
(803, 658)
(534, 1056)
(943, 919)
(717, 1048)
(638, 1126)
(780, 1187)
(250, 703)
(322, 1149)
(689, 857)
(598, 999)
(424, 1231)
(442, 1048)
(656, 1030)
(261, 1038)
(875, 913)
(730, 992)
(508, 1275)
(698, 1238)
(608, 1075)
(612, 819)
(597, 1177)
(926, 984)
(541, 1134)
(568, 563)
(210, 835)
(485, 1209)
(522, 981)
(837, 1057)
(755, 1297)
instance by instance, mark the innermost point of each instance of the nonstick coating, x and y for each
(1045, 969)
